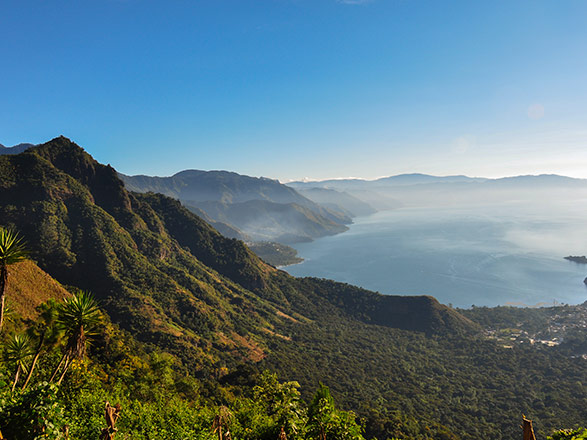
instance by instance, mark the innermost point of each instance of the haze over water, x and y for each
(509, 253)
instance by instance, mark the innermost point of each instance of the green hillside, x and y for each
(171, 281)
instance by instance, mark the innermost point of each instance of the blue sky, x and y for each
(301, 88)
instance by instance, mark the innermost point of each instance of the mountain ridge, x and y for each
(223, 194)
(265, 220)
(418, 190)
(15, 149)
(417, 178)
(165, 275)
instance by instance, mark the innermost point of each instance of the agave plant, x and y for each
(19, 350)
(8, 311)
(12, 250)
(45, 332)
(79, 317)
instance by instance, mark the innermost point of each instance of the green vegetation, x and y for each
(157, 399)
(206, 315)
(12, 250)
(276, 254)
(569, 434)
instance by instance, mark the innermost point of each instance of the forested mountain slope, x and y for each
(262, 208)
(159, 268)
(165, 275)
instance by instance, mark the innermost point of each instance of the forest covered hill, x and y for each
(173, 282)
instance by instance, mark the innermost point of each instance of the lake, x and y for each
(502, 254)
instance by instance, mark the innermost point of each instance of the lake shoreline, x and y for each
(482, 256)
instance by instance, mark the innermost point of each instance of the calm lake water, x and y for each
(490, 255)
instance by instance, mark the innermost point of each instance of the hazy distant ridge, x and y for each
(262, 208)
(422, 190)
(16, 149)
(418, 179)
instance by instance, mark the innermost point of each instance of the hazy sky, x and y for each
(301, 88)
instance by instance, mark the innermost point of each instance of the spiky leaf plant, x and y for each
(19, 351)
(79, 317)
(45, 332)
(12, 250)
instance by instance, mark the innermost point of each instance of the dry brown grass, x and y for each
(234, 341)
(29, 286)
(272, 333)
(286, 316)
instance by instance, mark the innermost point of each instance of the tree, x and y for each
(326, 422)
(18, 350)
(34, 414)
(569, 434)
(45, 332)
(12, 250)
(282, 403)
(79, 317)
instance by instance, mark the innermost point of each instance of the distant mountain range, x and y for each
(16, 149)
(422, 179)
(400, 179)
(339, 200)
(259, 208)
(421, 190)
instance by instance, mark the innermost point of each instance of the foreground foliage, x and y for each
(158, 400)
(569, 434)
(12, 250)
